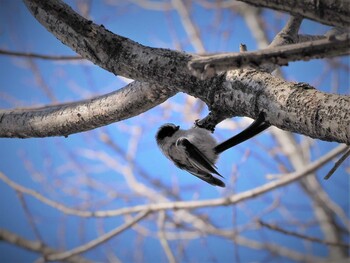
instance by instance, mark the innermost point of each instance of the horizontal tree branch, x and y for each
(240, 93)
(330, 12)
(295, 107)
(69, 118)
(230, 200)
(239, 197)
(323, 48)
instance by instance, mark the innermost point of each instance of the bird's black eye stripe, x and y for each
(166, 131)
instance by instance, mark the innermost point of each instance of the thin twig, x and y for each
(337, 164)
(98, 241)
(39, 56)
(29, 216)
(292, 233)
(43, 199)
(191, 28)
(162, 238)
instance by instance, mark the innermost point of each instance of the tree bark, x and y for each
(160, 73)
(329, 12)
(70, 118)
(295, 107)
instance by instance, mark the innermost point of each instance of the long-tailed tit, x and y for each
(196, 151)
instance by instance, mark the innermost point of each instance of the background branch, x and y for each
(230, 200)
(35, 246)
(333, 13)
(306, 237)
(39, 56)
(98, 241)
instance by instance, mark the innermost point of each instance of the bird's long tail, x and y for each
(253, 129)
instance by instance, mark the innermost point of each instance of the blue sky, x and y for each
(74, 170)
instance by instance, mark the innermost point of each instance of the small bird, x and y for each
(196, 151)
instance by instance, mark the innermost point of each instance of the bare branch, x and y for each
(325, 210)
(69, 118)
(43, 199)
(191, 29)
(40, 56)
(333, 13)
(295, 107)
(98, 241)
(163, 238)
(168, 69)
(337, 164)
(35, 246)
(112, 52)
(29, 216)
(153, 5)
(324, 48)
(309, 238)
(233, 199)
(288, 34)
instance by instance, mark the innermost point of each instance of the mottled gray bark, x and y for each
(322, 48)
(295, 107)
(159, 74)
(329, 12)
(69, 118)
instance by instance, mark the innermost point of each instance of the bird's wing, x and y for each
(196, 157)
(209, 179)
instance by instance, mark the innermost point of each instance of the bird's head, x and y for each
(166, 130)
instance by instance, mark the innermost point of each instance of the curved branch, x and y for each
(98, 241)
(112, 52)
(328, 47)
(333, 12)
(35, 246)
(69, 118)
(243, 92)
(177, 205)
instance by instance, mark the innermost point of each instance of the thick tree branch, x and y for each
(295, 107)
(241, 92)
(112, 52)
(328, 47)
(331, 12)
(69, 118)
